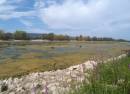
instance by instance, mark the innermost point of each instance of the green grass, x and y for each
(110, 78)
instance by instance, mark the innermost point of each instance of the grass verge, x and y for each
(110, 78)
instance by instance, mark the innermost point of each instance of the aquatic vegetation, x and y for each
(17, 60)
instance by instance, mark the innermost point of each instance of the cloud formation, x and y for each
(72, 14)
(76, 14)
(8, 10)
(90, 17)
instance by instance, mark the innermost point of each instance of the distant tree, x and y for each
(51, 36)
(121, 40)
(94, 38)
(66, 37)
(44, 36)
(88, 38)
(79, 38)
(20, 35)
(8, 36)
(1, 35)
(59, 37)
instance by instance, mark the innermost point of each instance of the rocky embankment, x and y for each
(51, 82)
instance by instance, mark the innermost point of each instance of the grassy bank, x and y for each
(110, 78)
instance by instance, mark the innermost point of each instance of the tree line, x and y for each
(22, 35)
(18, 35)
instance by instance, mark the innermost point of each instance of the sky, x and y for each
(103, 18)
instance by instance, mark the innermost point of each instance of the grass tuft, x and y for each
(110, 78)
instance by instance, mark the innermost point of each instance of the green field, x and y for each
(17, 59)
(110, 78)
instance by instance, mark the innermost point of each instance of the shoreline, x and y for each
(53, 82)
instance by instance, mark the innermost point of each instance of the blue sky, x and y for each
(104, 18)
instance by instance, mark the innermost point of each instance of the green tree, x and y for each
(50, 36)
(59, 37)
(44, 36)
(20, 35)
(8, 36)
(66, 37)
(79, 38)
(1, 35)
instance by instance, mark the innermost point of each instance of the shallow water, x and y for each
(15, 52)
(10, 52)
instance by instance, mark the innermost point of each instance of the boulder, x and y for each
(4, 87)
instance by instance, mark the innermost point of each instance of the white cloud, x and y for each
(26, 23)
(39, 4)
(14, 14)
(8, 10)
(94, 15)
(72, 13)
(2, 2)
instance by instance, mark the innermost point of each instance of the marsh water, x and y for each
(47, 52)
(15, 52)
(19, 59)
